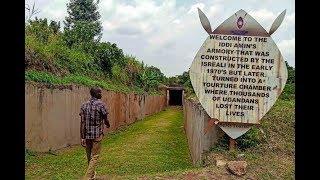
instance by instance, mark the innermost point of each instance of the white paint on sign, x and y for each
(239, 72)
(234, 131)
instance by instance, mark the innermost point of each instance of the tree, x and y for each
(159, 76)
(133, 69)
(108, 55)
(173, 81)
(39, 29)
(150, 78)
(291, 74)
(55, 26)
(31, 11)
(82, 25)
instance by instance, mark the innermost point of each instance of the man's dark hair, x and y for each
(94, 91)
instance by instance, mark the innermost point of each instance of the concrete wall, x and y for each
(52, 118)
(195, 121)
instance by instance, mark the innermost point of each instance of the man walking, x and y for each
(93, 117)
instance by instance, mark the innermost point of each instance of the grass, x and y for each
(48, 78)
(274, 156)
(156, 144)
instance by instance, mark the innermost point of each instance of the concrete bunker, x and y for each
(175, 96)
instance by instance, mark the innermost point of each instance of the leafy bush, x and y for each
(133, 68)
(288, 92)
(119, 73)
(62, 57)
(291, 74)
(252, 138)
(81, 35)
(108, 55)
(150, 78)
(41, 30)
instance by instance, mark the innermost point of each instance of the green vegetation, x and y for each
(184, 80)
(250, 139)
(288, 92)
(157, 147)
(269, 148)
(76, 54)
(48, 78)
(82, 25)
(155, 144)
(270, 151)
(279, 118)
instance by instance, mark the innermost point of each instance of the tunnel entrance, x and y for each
(175, 95)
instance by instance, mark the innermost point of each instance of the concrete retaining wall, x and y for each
(52, 118)
(195, 121)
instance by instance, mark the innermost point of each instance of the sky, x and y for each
(167, 33)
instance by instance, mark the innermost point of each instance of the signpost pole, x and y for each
(232, 144)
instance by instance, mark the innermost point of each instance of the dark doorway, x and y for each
(175, 97)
